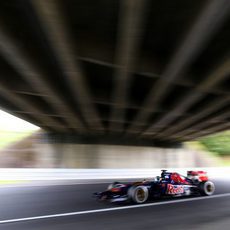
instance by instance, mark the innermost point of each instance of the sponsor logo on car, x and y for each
(175, 189)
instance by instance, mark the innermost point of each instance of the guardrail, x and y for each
(89, 174)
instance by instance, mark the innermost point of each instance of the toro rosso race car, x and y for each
(168, 184)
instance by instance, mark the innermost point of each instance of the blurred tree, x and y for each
(218, 143)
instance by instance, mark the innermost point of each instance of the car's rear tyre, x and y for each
(207, 188)
(138, 194)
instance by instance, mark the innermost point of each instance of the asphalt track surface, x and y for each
(72, 207)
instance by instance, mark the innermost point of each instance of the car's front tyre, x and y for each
(138, 194)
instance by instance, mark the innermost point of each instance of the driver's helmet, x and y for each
(163, 172)
(165, 176)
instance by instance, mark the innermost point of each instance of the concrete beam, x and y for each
(220, 74)
(55, 28)
(130, 26)
(208, 109)
(200, 33)
(205, 132)
(22, 103)
(25, 66)
(113, 139)
(195, 129)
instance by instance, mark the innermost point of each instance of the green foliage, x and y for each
(10, 137)
(218, 143)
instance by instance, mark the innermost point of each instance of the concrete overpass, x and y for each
(121, 72)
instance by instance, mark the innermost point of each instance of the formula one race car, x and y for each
(168, 184)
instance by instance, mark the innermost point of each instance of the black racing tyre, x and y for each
(207, 188)
(138, 194)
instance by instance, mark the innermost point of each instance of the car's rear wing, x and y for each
(197, 175)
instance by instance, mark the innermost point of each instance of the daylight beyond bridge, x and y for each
(128, 71)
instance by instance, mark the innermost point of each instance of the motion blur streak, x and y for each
(23, 203)
(112, 209)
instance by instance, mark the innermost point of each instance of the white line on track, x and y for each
(111, 209)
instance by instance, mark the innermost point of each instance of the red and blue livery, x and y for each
(168, 184)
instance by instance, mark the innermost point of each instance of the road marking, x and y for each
(111, 209)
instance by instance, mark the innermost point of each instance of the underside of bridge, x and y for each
(128, 71)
